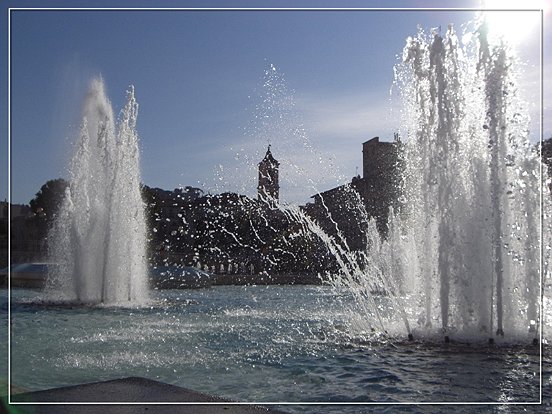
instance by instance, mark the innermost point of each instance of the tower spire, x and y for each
(268, 188)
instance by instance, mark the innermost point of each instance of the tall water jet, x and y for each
(98, 240)
(471, 185)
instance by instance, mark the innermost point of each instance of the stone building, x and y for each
(379, 185)
(268, 188)
(371, 195)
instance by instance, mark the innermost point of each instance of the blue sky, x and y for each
(199, 82)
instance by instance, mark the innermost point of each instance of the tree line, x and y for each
(227, 232)
(224, 233)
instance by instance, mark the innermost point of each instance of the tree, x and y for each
(48, 200)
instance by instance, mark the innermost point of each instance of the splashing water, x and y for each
(461, 257)
(472, 188)
(276, 121)
(98, 240)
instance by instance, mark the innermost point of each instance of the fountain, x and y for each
(462, 255)
(461, 258)
(471, 189)
(99, 236)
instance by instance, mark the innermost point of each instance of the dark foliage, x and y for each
(49, 198)
(228, 232)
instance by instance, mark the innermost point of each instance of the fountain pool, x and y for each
(258, 343)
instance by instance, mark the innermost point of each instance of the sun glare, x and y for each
(513, 20)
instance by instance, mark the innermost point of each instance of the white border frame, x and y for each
(207, 9)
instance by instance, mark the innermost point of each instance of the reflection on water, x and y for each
(290, 343)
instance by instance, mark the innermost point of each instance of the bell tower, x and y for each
(268, 188)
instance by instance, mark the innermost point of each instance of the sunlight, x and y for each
(512, 20)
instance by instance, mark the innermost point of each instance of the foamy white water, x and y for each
(99, 238)
(472, 189)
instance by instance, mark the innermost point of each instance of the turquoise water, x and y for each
(262, 344)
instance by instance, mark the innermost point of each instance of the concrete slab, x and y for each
(129, 390)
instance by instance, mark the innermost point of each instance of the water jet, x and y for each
(98, 239)
(470, 186)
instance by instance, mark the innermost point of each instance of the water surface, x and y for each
(263, 344)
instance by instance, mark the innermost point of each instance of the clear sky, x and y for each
(199, 81)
